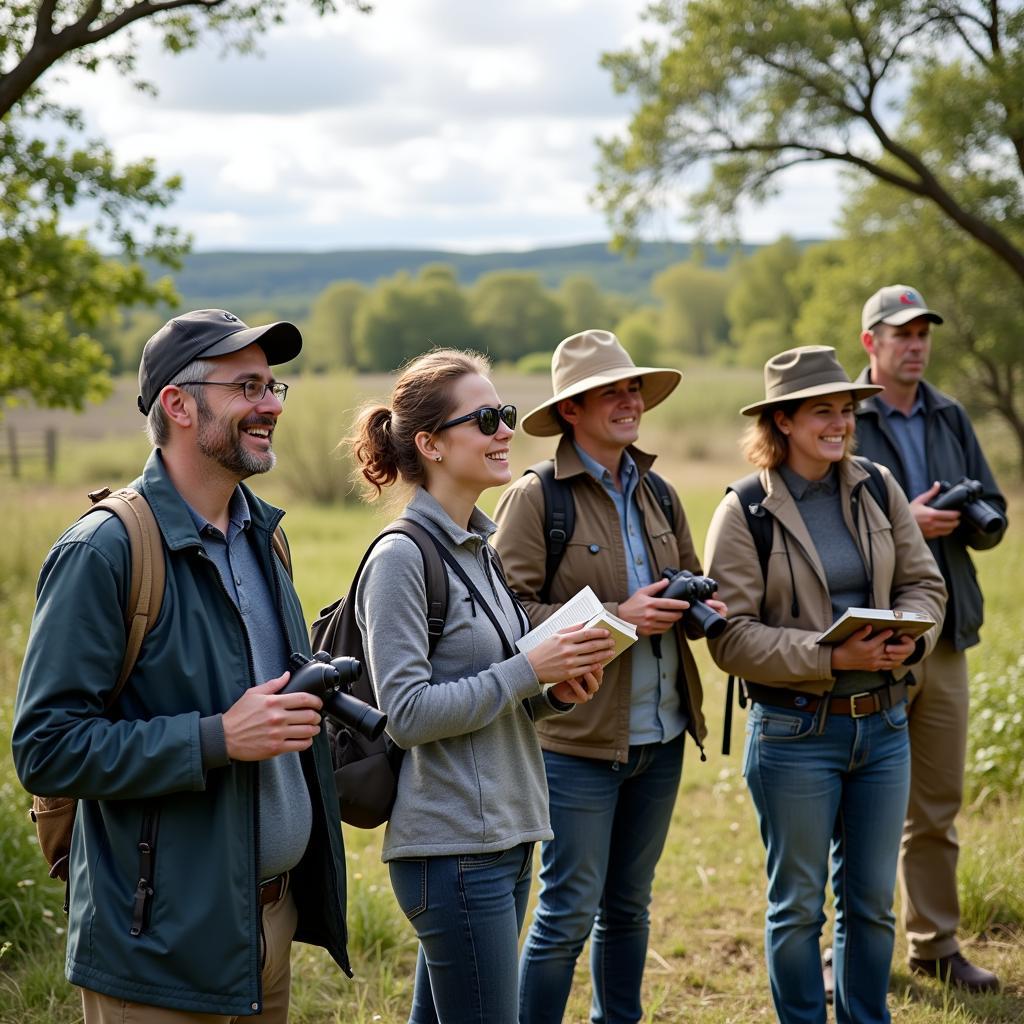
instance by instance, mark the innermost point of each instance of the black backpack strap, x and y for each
(449, 560)
(875, 482)
(559, 520)
(750, 491)
(658, 487)
(434, 574)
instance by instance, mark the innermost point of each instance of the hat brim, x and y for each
(657, 383)
(839, 387)
(280, 341)
(904, 316)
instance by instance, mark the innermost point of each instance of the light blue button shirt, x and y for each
(656, 713)
(908, 430)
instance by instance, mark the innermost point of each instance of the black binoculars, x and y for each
(965, 497)
(330, 679)
(684, 586)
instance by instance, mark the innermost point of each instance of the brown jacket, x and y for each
(777, 648)
(600, 728)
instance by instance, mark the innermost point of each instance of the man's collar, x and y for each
(627, 466)
(238, 513)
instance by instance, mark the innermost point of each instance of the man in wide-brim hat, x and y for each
(598, 516)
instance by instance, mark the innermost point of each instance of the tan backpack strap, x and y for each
(280, 546)
(149, 571)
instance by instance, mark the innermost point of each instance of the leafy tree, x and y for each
(693, 308)
(59, 288)
(404, 316)
(329, 338)
(639, 332)
(584, 304)
(926, 96)
(515, 314)
(764, 302)
(976, 352)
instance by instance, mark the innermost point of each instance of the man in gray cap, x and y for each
(207, 832)
(613, 771)
(924, 436)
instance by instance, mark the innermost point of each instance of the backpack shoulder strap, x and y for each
(875, 483)
(658, 487)
(149, 571)
(559, 520)
(280, 545)
(751, 492)
(435, 575)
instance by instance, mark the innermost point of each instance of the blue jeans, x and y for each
(610, 822)
(468, 911)
(844, 790)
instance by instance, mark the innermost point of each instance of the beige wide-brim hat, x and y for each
(806, 372)
(592, 359)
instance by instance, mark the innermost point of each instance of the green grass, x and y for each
(706, 961)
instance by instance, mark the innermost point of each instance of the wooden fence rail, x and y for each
(25, 448)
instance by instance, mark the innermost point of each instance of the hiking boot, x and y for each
(958, 970)
(827, 976)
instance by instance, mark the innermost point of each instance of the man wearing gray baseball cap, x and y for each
(206, 836)
(925, 438)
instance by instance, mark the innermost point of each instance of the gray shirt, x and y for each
(847, 578)
(472, 779)
(285, 811)
(655, 712)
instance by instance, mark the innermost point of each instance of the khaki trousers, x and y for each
(279, 921)
(929, 850)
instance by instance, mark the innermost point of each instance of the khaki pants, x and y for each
(928, 856)
(279, 921)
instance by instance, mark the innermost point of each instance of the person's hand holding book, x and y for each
(578, 690)
(571, 654)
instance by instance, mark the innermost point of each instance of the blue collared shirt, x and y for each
(656, 714)
(908, 430)
(286, 813)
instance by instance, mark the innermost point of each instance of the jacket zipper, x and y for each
(147, 855)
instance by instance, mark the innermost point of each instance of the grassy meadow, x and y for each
(706, 955)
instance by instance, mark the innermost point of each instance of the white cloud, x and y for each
(427, 123)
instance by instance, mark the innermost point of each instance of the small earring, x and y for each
(437, 458)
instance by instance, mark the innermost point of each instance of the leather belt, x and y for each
(273, 889)
(856, 705)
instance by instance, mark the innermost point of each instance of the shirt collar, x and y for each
(800, 487)
(627, 468)
(916, 409)
(238, 515)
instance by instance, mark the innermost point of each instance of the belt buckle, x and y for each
(854, 713)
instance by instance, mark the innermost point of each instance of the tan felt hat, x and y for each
(592, 359)
(806, 372)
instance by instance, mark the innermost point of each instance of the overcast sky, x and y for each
(456, 124)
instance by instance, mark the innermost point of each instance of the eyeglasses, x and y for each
(487, 419)
(254, 390)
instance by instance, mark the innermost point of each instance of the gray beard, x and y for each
(219, 443)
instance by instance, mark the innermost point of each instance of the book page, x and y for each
(581, 608)
(623, 633)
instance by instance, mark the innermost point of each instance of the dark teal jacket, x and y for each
(140, 767)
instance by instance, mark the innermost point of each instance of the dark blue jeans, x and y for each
(610, 822)
(468, 911)
(845, 790)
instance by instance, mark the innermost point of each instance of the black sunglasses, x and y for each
(487, 419)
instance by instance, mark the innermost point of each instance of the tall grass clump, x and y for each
(309, 464)
(996, 752)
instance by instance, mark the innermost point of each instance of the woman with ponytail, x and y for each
(472, 797)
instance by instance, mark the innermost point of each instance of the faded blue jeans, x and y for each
(468, 911)
(843, 791)
(610, 822)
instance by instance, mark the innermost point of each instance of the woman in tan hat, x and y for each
(613, 773)
(827, 758)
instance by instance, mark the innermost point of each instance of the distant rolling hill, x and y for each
(287, 282)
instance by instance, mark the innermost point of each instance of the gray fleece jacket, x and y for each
(472, 779)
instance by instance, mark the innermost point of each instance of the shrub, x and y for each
(996, 747)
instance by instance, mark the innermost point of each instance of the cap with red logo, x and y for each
(895, 304)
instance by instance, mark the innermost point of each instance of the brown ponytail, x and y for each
(383, 439)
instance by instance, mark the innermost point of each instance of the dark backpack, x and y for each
(366, 771)
(560, 515)
(54, 816)
(751, 493)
